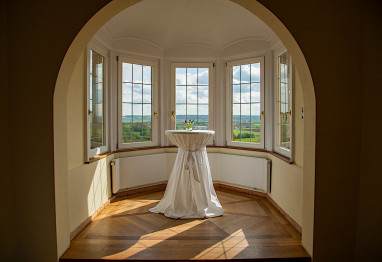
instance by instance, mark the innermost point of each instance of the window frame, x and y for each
(154, 102)
(211, 89)
(278, 149)
(229, 65)
(90, 153)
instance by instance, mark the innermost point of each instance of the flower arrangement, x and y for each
(189, 124)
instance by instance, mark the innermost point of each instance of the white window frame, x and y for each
(278, 149)
(154, 105)
(211, 81)
(103, 149)
(263, 114)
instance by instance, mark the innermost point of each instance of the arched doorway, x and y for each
(60, 109)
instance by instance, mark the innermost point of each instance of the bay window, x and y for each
(192, 98)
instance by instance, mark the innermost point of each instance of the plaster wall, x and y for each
(89, 189)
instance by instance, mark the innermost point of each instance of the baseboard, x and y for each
(140, 189)
(285, 215)
(238, 188)
(87, 221)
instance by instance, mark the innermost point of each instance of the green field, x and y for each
(136, 129)
(247, 132)
(201, 122)
(139, 129)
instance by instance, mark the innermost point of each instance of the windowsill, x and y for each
(284, 158)
(99, 157)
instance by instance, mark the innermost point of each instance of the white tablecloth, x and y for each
(190, 192)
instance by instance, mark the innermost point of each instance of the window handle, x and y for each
(90, 112)
(173, 114)
(288, 113)
(156, 115)
(261, 113)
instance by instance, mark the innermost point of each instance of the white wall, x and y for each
(155, 168)
(89, 189)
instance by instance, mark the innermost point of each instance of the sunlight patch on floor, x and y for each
(168, 233)
(226, 248)
(126, 206)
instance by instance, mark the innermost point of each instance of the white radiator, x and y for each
(115, 178)
(252, 172)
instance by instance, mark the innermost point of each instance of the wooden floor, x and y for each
(250, 228)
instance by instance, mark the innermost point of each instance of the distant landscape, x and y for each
(138, 128)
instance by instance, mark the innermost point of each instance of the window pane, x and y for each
(255, 72)
(127, 118)
(283, 95)
(245, 93)
(192, 74)
(147, 75)
(255, 122)
(202, 123)
(192, 112)
(180, 94)
(192, 94)
(137, 93)
(245, 73)
(127, 92)
(236, 122)
(180, 116)
(127, 72)
(146, 126)
(137, 73)
(245, 123)
(203, 94)
(236, 94)
(236, 75)
(255, 92)
(203, 76)
(180, 76)
(137, 122)
(137, 112)
(147, 94)
(96, 94)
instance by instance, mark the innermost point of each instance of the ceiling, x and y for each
(168, 23)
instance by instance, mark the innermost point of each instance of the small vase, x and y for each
(189, 129)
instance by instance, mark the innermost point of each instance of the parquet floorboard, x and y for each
(251, 228)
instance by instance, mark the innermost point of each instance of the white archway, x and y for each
(60, 117)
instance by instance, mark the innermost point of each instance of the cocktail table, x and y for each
(190, 192)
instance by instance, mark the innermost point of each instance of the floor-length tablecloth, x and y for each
(190, 192)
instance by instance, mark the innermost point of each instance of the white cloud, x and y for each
(246, 73)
